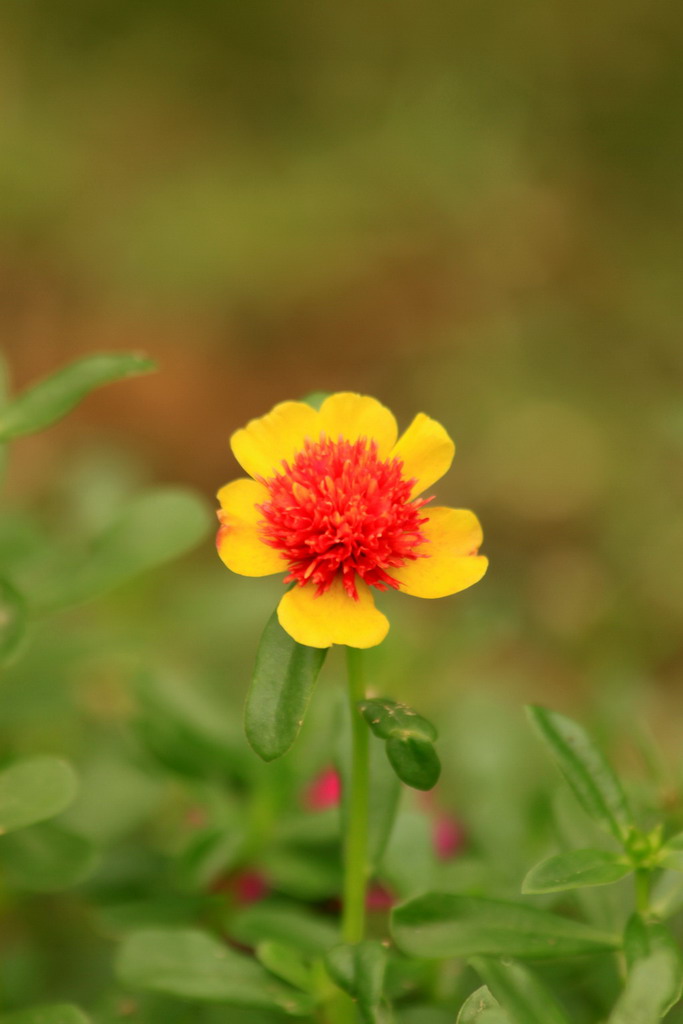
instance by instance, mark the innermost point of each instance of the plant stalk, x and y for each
(356, 840)
(643, 878)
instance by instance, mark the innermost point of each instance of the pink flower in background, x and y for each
(448, 836)
(324, 791)
(378, 897)
(249, 886)
(195, 817)
(448, 833)
(246, 885)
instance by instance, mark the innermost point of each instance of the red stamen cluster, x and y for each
(340, 510)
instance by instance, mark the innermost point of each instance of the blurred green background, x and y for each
(467, 209)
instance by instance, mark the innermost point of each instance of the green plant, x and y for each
(188, 879)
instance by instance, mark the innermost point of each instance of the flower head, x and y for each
(325, 791)
(334, 501)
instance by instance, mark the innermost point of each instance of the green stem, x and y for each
(643, 878)
(356, 845)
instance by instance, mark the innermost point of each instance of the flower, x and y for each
(448, 836)
(245, 885)
(334, 497)
(325, 791)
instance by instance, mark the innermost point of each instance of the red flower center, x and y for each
(340, 511)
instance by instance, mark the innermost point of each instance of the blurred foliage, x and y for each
(473, 209)
(177, 834)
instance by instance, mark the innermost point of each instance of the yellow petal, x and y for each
(261, 446)
(353, 416)
(426, 451)
(452, 534)
(239, 542)
(332, 618)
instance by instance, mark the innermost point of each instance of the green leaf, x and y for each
(655, 978)
(316, 398)
(131, 795)
(46, 858)
(386, 718)
(12, 620)
(636, 939)
(520, 991)
(188, 730)
(482, 1008)
(576, 869)
(667, 895)
(426, 1013)
(672, 860)
(446, 925)
(284, 923)
(284, 677)
(414, 760)
(409, 864)
(671, 854)
(55, 396)
(409, 740)
(194, 965)
(209, 854)
(384, 800)
(286, 963)
(675, 842)
(58, 1013)
(590, 777)
(358, 970)
(646, 995)
(310, 873)
(120, 918)
(152, 529)
(34, 789)
(384, 789)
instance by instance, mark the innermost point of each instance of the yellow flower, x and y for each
(334, 497)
